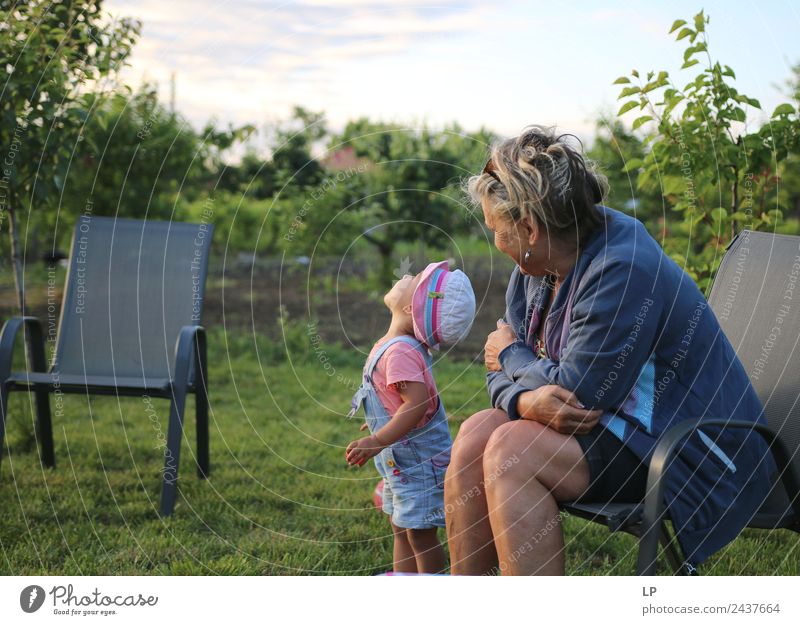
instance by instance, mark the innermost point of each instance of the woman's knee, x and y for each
(514, 449)
(474, 434)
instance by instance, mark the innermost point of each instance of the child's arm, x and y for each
(415, 402)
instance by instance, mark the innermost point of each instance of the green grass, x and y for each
(280, 499)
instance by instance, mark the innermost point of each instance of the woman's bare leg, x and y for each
(404, 559)
(469, 533)
(528, 468)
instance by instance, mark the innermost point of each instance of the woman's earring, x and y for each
(527, 256)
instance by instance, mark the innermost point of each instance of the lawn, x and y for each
(280, 499)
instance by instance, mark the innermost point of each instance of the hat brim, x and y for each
(418, 300)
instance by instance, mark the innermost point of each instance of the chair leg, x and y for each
(201, 404)
(3, 406)
(648, 555)
(169, 485)
(45, 428)
(43, 420)
(201, 410)
(671, 551)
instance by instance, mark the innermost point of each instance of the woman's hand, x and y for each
(557, 408)
(496, 342)
(361, 450)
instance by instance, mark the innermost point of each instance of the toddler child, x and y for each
(409, 437)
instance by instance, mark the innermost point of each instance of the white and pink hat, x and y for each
(443, 306)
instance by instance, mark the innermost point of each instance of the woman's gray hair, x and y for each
(543, 176)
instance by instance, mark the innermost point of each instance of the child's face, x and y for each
(398, 299)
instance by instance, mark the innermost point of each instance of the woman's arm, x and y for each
(557, 408)
(503, 392)
(615, 321)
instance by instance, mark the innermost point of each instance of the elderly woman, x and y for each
(605, 344)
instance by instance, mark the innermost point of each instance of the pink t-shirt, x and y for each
(402, 363)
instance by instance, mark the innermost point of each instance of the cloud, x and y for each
(232, 59)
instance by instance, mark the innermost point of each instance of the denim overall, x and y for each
(412, 468)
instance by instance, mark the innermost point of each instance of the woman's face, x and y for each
(509, 237)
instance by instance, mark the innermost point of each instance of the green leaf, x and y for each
(628, 91)
(676, 25)
(700, 22)
(622, 80)
(641, 120)
(753, 102)
(627, 107)
(738, 114)
(673, 185)
(633, 164)
(689, 63)
(783, 109)
(684, 33)
(718, 215)
(729, 72)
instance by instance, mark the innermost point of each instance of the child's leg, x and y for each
(428, 551)
(404, 558)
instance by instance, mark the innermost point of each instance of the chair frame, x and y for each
(647, 520)
(190, 377)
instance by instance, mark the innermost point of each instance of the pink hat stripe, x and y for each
(434, 312)
(428, 307)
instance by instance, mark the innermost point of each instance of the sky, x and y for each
(501, 65)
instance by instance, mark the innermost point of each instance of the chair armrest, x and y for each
(190, 355)
(663, 456)
(8, 337)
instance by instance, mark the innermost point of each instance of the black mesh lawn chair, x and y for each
(130, 325)
(758, 267)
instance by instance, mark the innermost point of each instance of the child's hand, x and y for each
(361, 450)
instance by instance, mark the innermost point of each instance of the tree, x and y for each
(701, 156)
(613, 146)
(135, 158)
(410, 190)
(62, 59)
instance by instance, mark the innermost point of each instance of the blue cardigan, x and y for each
(631, 333)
